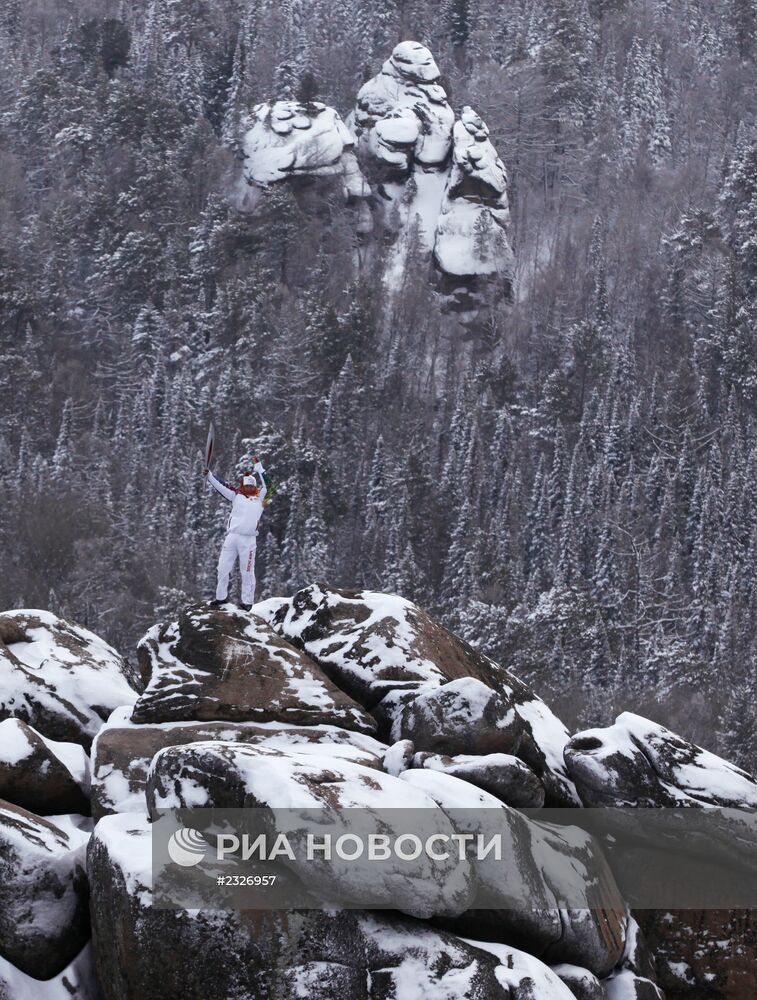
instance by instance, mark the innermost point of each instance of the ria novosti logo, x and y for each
(187, 848)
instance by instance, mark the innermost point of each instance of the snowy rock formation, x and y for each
(392, 657)
(277, 709)
(402, 115)
(432, 182)
(61, 679)
(264, 955)
(291, 141)
(41, 774)
(638, 763)
(44, 921)
(438, 179)
(222, 664)
(471, 236)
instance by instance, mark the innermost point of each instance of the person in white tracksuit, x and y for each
(246, 508)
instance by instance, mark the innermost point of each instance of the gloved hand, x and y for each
(205, 472)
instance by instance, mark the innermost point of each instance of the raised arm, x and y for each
(258, 467)
(219, 487)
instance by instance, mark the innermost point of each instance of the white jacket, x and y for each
(245, 511)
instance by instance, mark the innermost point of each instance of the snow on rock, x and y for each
(464, 716)
(44, 920)
(77, 981)
(710, 954)
(288, 782)
(259, 954)
(406, 130)
(399, 757)
(409, 962)
(521, 899)
(225, 664)
(58, 677)
(471, 236)
(42, 775)
(639, 763)
(290, 139)
(582, 984)
(626, 985)
(123, 751)
(402, 114)
(502, 775)
(382, 648)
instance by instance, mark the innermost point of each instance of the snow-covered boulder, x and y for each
(60, 678)
(292, 139)
(471, 236)
(44, 918)
(291, 786)
(224, 664)
(639, 763)
(78, 981)
(583, 984)
(44, 776)
(464, 716)
(259, 955)
(402, 114)
(383, 649)
(399, 757)
(123, 751)
(626, 985)
(551, 893)
(505, 777)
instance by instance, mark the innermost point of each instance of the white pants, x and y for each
(241, 547)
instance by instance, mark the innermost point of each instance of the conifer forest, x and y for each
(564, 471)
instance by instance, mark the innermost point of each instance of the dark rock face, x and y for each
(583, 984)
(123, 751)
(703, 954)
(144, 953)
(461, 717)
(502, 775)
(33, 777)
(219, 664)
(43, 894)
(58, 677)
(385, 651)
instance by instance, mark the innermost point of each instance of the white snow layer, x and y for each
(77, 982)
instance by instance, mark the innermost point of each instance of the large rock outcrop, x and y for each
(43, 893)
(439, 179)
(436, 184)
(290, 139)
(123, 751)
(389, 654)
(322, 955)
(223, 664)
(40, 774)
(274, 710)
(58, 677)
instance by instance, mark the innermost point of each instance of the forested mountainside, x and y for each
(567, 479)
